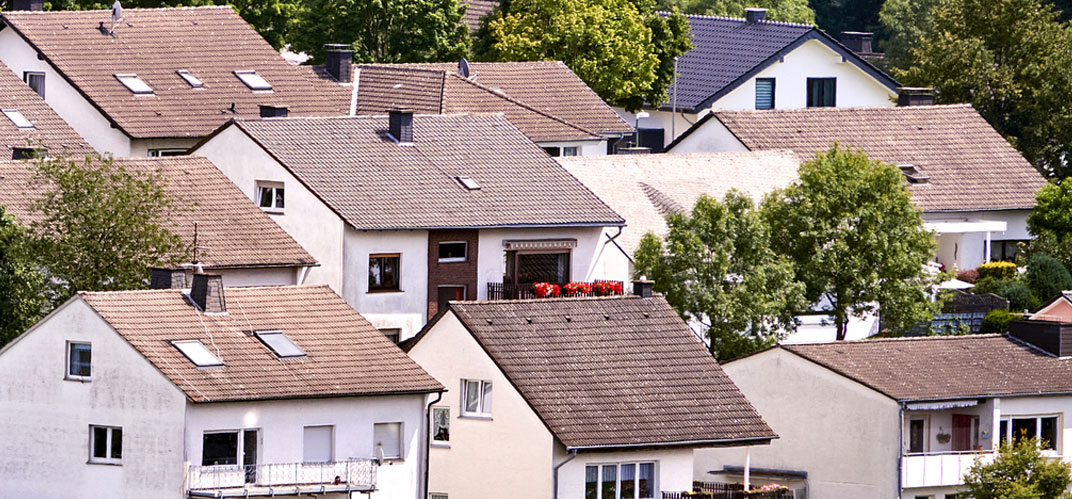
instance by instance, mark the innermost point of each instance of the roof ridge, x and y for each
(546, 300)
(519, 103)
(842, 109)
(172, 290)
(125, 9)
(900, 339)
(743, 20)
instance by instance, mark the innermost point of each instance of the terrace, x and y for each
(354, 475)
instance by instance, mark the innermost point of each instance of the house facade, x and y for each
(28, 124)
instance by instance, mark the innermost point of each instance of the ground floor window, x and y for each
(1005, 251)
(105, 444)
(619, 481)
(1042, 427)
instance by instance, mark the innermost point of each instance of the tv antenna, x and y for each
(117, 15)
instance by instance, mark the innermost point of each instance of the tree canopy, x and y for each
(1019, 471)
(22, 298)
(791, 11)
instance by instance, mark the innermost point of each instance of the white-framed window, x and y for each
(159, 153)
(279, 343)
(18, 119)
(453, 251)
(135, 84)
(1046, 427)
(197, 353)
(634, 480)
(190, 79)
(79, 361)
(392, 333)
(36, 81)
(387, 441)
(318, 444)
(271, 196)
(441, 426)
(253, 80)
(105, 444)
(230, 447)
(476, 398)
(569, 151)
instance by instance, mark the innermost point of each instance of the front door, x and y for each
(962, 432)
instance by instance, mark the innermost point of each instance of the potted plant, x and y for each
(578, 288)
(546, 289)
(942, 436)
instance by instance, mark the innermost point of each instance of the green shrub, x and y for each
(989, 285)
(1046, 276)
(1019, 295)
(997, 321)
(997, 270)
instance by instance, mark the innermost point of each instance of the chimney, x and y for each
(643, 288)
(274, 112)
(915, 96)
(338, 61)
(1052, 337)
(36, 5)
(755, 15)
(401, 126)
(207, 293)
(167, 279)
(857, 41)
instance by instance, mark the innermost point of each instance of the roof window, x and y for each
(253, 80)
(190, 78)
(469, 183)
(17, 118)
(197, 353)
(279, 344)
(134, 84)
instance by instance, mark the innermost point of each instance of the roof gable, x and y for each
(49, 130)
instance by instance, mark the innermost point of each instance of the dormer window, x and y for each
(190, 78)
(18, 119)
(253, 80)
(469, 183)
(197, 353)
(134, 84)
(913, 174)
(280, 344)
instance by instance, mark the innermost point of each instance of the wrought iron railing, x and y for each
(522, 291)
(350, 475)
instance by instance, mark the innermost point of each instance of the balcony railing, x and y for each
(275, 479)
(939, 469)
(522, 291)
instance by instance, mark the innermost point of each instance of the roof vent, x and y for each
(755, 15)
(913, 174)
(469, 183)
(915, 96)
(274, 112)
(643, 288)
(338, 61)
(857, 41)
(207, 293)
(35, 5)
(167, 279)
(401, 126)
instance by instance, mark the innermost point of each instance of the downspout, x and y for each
(423, 492)
(900, 451)
(554, 474)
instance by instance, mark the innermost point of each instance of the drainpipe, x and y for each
(673, 113)
(423, 492)
(554, 474)
(748, 468)
(900, 451)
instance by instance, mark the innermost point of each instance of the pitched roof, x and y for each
(49, 130)
(476, 10)
(384, 87)
(971, 166)
(612, 372)
(231, 231)
(374, 183)
(727, 51)
(209, 42)
(943, 367)
(345, 355)
(645, 188)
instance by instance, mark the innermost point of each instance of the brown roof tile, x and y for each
(345, 355)
(476, 10)
(210, 42)
(49, 130)
(231, 230)
(605, 372)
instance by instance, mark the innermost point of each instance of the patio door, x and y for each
(963, 432)
(249, 455)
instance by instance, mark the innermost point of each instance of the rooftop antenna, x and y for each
(463, 68)
(117, 15)
(196, 261)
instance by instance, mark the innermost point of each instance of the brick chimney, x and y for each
(338, 61)
(36, 5)
(643, 288)
(207, 293)
(401, 126)
(915, 96)
(857, 41)
(274, 112)
(167, 279)
(755, 15)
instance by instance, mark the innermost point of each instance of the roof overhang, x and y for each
(964, 226)
(729, 442)
(941, 405)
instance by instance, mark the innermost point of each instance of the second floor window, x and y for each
(79, 357)
(388, 440)
(105, 444)
(383, 272)
(270, 196)
(764, 93)
(318, 445)
(476, 397)
(453, 251)
(36, 81)
(822, 92)
(1045, 428)
(440, 425)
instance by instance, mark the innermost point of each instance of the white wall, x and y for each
(673, 469)
(140, 147)
(967, 250)
(712, 136)
(405, 309)
(272, 276)
(44, 419)
(584, 147)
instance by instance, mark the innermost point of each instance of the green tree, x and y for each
(1012, 60)
(996, 322)
(383, 31)
(100, 226)
(1050, 222)
(716, 268)
(1019, 471)
(22, 299)
(835, 16)
(855, 238)
(790, 11)
(1046, 277)
(905, 23)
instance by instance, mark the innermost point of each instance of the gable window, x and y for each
(79, 355)
(569, 151)
(134, 84)
(105, 444)
(253, 80)
(392, 333)
(280, 344)
(619, 481)
(822, 92)
(229, 448)
(453, 251)
(190, 79)
(17, 118)
(159, 153)
(318, 444)
(440, 425)
(476, 398)
(387, 438)
(197, 353)
(36, 81)
(1045, 428)
(764, 93)
(271, 196)
(383, 272)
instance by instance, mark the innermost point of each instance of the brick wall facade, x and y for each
(453, 273)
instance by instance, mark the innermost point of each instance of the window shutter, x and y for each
(764, 93)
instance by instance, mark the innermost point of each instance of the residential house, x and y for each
(902, 417)
(29, 124)
(223, 231)
(602, 397)
(210, 392)
(158, 80)
(754, 63)
(1059, 309)
(406, 212)
(974, 189)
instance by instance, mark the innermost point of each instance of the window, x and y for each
(383, 272)
(537, 267)
(569, 151)
(388, 440)
(159, 153)
(78, 361)
(821, 92)
(318, 445)
(36, 81)
(192, 80)
(454, 251)
(392, 333)
(619, 481)
(1041, 427)
(917, 436)
(105, 444)
(279, 343)
(448, 293)
(476, 398)
(469, 183)
(227, 448)
(764, 93)
(134, 84)
(553, 151)
(1005, 251)
(17, 118)
(271, 196)
(253, 80)
(28, 153)
(440, 425)
(438, 495)
(197, 353)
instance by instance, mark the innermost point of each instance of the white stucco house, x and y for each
(754, 63)
(407, 212)
(974, 189)
(210, 392)
(601, 397)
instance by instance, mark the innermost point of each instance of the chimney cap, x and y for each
(338, 47)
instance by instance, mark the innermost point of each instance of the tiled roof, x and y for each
(944, 367)
(644, 188)
(48, 129)
(210, 42)
(606, 372)
(971, 167)
(475, 12)
(374, 183)
(383, 87)
(231, 230)
(345, 355)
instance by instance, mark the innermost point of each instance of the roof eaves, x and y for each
(726, 442)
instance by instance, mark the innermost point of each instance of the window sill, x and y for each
(80, 379)
(383, 291)
(482, 417)
(440, 445)
(104, 463)
(272, 211)
(453, 260)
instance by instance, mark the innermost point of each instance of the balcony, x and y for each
(939, 468)
(523, 291)
(355, 475)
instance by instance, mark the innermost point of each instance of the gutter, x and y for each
(554, 473)
(428, 443)
(674, 444)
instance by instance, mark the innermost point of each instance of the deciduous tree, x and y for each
(790, 11)
(22, 299)
(1019, 471)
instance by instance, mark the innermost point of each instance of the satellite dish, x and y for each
(463, 67)
(117, 12)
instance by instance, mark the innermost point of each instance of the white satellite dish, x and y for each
(463, 68)
(117, 15)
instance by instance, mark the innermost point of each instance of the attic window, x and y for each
(279, 344)
(253, 80)
(913, 174)
(17, 118)
(191, 79)
(469, 183)
(134, 84)
(197, 353)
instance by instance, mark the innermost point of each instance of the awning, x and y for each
(540, 244)
(937, 406)
(955, 284)
(964, 226)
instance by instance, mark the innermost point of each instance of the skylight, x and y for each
(469, 183)
(279, 343)
(253, 80)
(134, 84)
(17, 118)
(197, 353)
(191, 79)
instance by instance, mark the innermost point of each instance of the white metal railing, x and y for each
(939, 468)
(353, 474)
